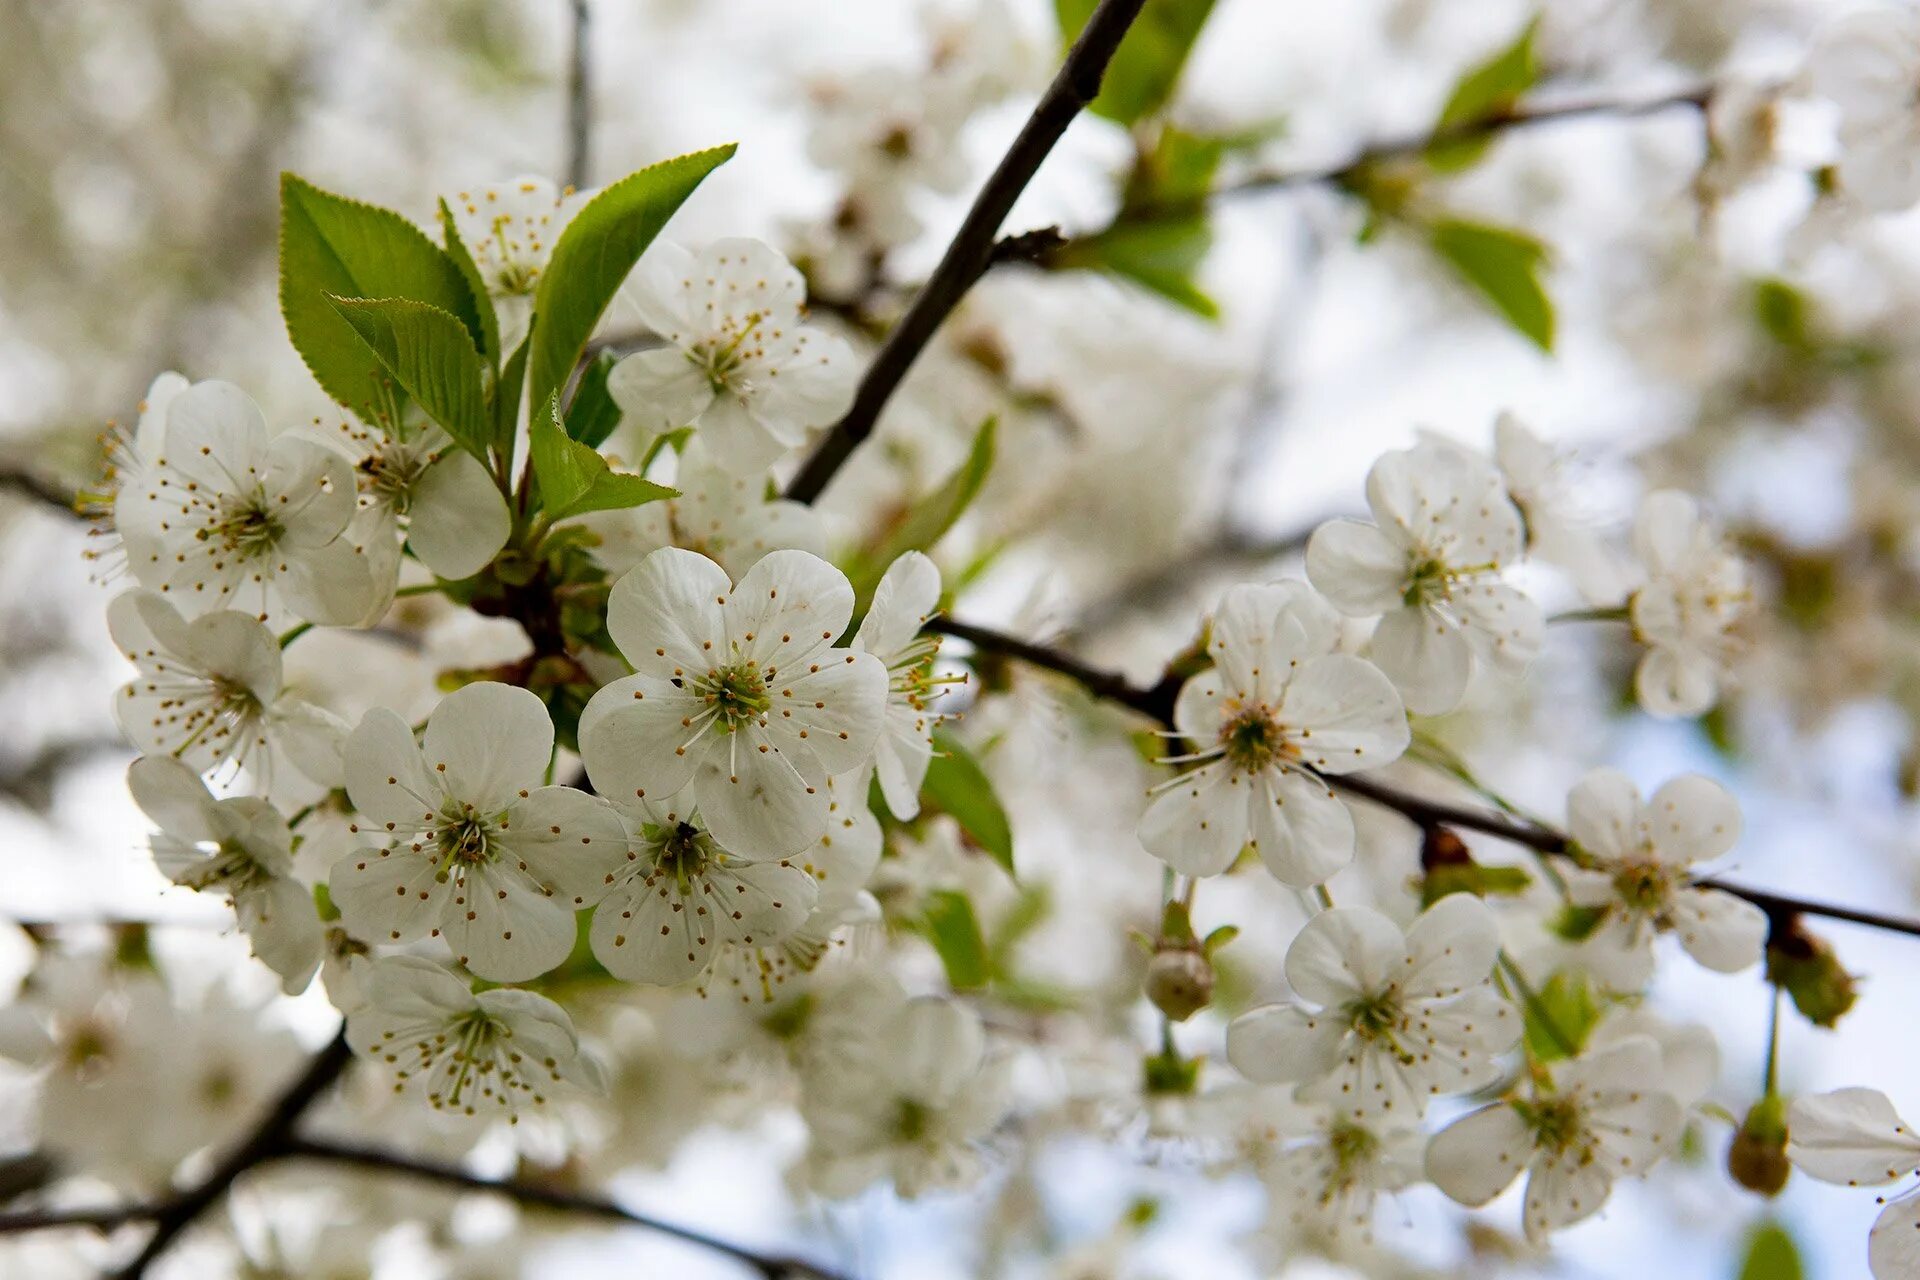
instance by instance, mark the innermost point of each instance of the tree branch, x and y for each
(370, 1158)
(1075, 85)
(29, 484)
(580, 98)
(1157, 704)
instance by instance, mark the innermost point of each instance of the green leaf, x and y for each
(1147, 65)
(930, 518)
(1486, 92)
(330, 247)
(506, 400)
(957, 785)
(1569, 1004)
(574, 479)
(1159, 254)
(430, 354)
(1771, 1255)
(1504, 265)
(955, 933)
(593, 415)
(595, 253)
(487, 332)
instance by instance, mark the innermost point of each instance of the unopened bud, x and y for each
(1757, 1159)
(1805, 967)
(1447, 866)
(1179, 982)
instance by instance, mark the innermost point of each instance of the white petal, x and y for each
(1343, 953)
(215, 434)
(817, 386)
(758, 800)
(786, 609)
(174, 797)
(1451, 946)
(567, 840)
(331, 585)
(836, 711)
(665, 614)
(388, 895)
(1506, 623)
(1603, 815)
(1357, 566)
(908, 593)
(1722, 932)
(1563, 1191)
(458, 521)
(641, 738)
(1283, 1043)
(1261, 633)
(503, 928)
(386, 779)
(1301, 830)
(1343, 715)
(1478, 1156)
(1850, 1136)
(1664, 529)
(489, 741)
(737, 441)
(1199, 825)
(937, 1045)
(661, 390)
(1636, 1128)
(1425, 654)
(1692, 819)
(278, 917)
(1674, 683)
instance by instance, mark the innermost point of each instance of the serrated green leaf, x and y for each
(957, 785)
(1159, 254)
(574, 479)
(331, 246)
(1771, 1255)
(430, 354)
(595, 253)
(954, 930)
(487, 332)
(1485, 92)
(1505, 266)
(593, 415)
(930, 518)
(1147, 65)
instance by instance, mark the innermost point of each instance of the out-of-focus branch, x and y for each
(1228, 549)
(30, 484)
(972, 250)
(580, 97)
(526, 1193)
(1157, 702)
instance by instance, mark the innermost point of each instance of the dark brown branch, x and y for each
(1157, 704)
(102, 1216)
(969, 255)
(29, 484)
(1471, 131)
(270, 1137)
(526, 1193)
(580, 98)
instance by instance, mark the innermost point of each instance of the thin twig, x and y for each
(29, 484)
(772, 1267)
(104, 1217)
(1075, 85)
(271, 1136)
(1156, 704)
(580, 98)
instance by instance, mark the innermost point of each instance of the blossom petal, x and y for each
(1893, 1245)
(665, 614)
(388, 895)
(1344, 715)
(1261, 633)
(1692, 819)
(1343, 953)
(569, 841)
(1850, 1136)
(386, 778)
(458, 521)
(786, 609)
(1722, 932)
(643, 738)
(490, 741)
(1282, 1043)
(1426, 655)
(760, 801)
(505, 928)
(908, 593)
(836, 706)
(331, 585)
(661, 390)
(1478, 1156)
(1301, 830)
(1676, 684)
(1198, 825)
(1603, 815)
(1450, 947)
(1562, 1191)
(1357, 566)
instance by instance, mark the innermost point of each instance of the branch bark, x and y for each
(1157, 702)
(971, 252)
(580, 98)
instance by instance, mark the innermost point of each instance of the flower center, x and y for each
(1351, 1148)
(1645, 887)
(1375, 1015)
(388, 475)
(1558, 1124)
(1426, 582)
(684, 853)
(245, 526)
(720, 360)
(1252, 740)
(911, 1121)
(466, 840)
(737, 694)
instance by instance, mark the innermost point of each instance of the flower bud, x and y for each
(1179, 982)
(1757, 1158)
(1806, 968)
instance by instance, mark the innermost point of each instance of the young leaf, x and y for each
(574, 479)
(1160, 255)
(593, 415)
(487, 334)
(956, 785)
(931, 518)
(506, 399)
(1504, 265)
(1146, 66)
(1771, 1255)
(595, 253)
(1486, 92)
(331, 246)
(1564, 1009)
(430, 354)
(954, 930)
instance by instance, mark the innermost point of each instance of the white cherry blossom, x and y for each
(209, 691)
(908, 594)
(1868, 65)
(739, 693)
(466, 842)
(509, 229)
(230, 513)
(1635, 866)
(739, 363)
(679, 898)
(1855, 1138)
(1600, 1117)
(421, 489)
(1429, 565)
(1279, 706)
(240, 847)
(724, 516)
(1538, 481)
(486, 1054)
(129, 453)
(1325, 1168)
(1401, 1018)
(1696, 592)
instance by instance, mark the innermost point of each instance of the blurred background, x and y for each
(1719, 327)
